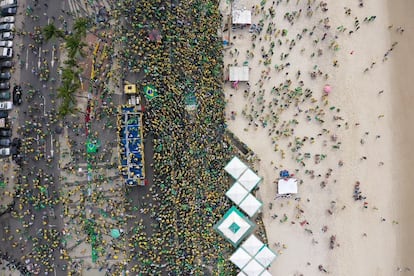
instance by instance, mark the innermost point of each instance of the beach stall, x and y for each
(234, 226)
(241, 17)
(235, 167)
(238, 73)
(249, 179)
(237, 193)
(287, 186)
(250, 205)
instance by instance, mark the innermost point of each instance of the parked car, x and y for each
(4, 114)
(6, 52)
(9, 11)
(6, 105)
(6, 36)
(17, 95)
(5, 75)
(6, 43)
(6, 27)
(5, 95)
(5, 142)
(6, 64)
(5, 132)
(4, 85)
(7, 19)
(8, 3)
(4, 152)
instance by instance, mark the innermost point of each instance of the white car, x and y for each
(8, 3)
(4, 151)
(6, 52)
(6, 43)
(7, 19)
(6, 36)
(6, 105)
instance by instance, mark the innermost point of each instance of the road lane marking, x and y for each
(27, 58)
(40, 56)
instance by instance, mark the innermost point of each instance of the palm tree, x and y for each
(74, 45)
(81, 25)
(51, 31)
(71, 62)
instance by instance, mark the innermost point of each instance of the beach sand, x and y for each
(375, 114)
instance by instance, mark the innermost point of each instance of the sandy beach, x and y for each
(360, 134)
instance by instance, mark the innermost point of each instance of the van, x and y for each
(6, 52)
(4, 152)
(9, 3)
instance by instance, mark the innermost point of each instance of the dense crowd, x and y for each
(190, 151)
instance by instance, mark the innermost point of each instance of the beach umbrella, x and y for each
(115, 233)
(327, 89)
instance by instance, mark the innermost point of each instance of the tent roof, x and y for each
(250, 205)
(265, 256)
(242, 17)
(234, 226)
(252, 245)
(240, 258)
(239, 73)
(235, 167)
(253, 268)
(266, 273)
(249, 179)
(287, 186)
(237, 193)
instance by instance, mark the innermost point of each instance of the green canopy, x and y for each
(115, 233)
(92, 146)
(150, 92)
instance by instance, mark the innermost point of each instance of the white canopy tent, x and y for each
(237, 193)
(287, 186)
(242, 17)
(265, 256)
(235, 167)
(249, 179)
(250, 205)
(240, 258)
(252, 245)
(239, 73)
(266, 273)
(253, 268)
(234, 226)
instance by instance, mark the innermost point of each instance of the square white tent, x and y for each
(240, 258)
(237, 193)
(250, 205)
(235, 167)
(265, 256)
(234, 226)
(253, 268)
(239, 73)
(242, 17)
(252, 245)
(249, 179)
(287, 186)
(266, 273)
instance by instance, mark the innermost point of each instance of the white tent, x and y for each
(239, 73)
(242, 17)
(250, 205)
(287, 186)
(266, 273)
(253, 268)
(235, 167)
(265, 256)
(234, 226)
(249, 179)
(237, 193)
(240, 258)
(252, 245)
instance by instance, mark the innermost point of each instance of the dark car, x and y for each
(9, 11)
(5, 132)
(4, 114)
(17, 95)
(4, 85)
(5, 75)
(5, 95)
(5, 142)
(6, 64)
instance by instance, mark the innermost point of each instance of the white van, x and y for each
(6, 52)
(8, 3)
